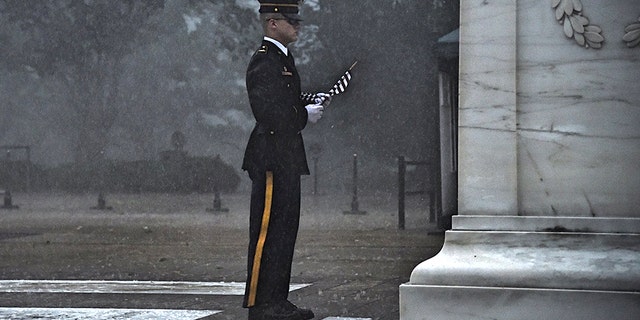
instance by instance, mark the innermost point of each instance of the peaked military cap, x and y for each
(288, 8)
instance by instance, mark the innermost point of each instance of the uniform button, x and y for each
(288, 86)
(271, 132)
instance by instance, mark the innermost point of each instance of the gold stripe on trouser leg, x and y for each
(255, 272)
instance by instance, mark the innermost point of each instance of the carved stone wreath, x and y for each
(632, 35)
(576, 26)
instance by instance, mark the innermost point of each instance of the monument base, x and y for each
(494, 267)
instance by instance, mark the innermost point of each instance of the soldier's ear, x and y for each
(272, 22)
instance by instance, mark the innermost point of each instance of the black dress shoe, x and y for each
(306, 314)
(273, 311)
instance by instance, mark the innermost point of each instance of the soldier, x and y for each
(275, 159)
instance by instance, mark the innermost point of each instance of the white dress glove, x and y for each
(323, 98)
(314, 112)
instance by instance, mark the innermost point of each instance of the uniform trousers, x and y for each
(273, 229)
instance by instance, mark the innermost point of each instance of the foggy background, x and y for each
(82, 81)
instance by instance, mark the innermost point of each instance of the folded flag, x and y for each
(340, 87)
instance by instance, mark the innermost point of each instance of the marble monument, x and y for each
(548, 223)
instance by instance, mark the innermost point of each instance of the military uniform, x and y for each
(275, 154)
(273, 85)
(275, 159)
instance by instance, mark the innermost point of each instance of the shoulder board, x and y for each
(262, 49)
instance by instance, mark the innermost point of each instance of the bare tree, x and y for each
(82, 44)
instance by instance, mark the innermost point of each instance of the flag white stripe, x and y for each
(340, 86)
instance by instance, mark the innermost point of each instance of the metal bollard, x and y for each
(402, 169)
(8, 201)
(217, 203)
(102, 203)
(354, 199)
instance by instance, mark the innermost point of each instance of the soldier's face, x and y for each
(288, 30)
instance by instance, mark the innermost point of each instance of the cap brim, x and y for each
(293, 16)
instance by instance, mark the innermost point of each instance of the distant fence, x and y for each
(402, 192)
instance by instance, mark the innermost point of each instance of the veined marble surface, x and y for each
(557, 268)
(578, 114)
(551, 131)
(537, 260)
(487, 173)
(548, 127)
(426, 302)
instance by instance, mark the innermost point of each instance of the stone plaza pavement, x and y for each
(348, 266)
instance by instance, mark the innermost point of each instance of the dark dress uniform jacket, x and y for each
(273, 85)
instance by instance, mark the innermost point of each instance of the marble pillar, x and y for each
(548, 225)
